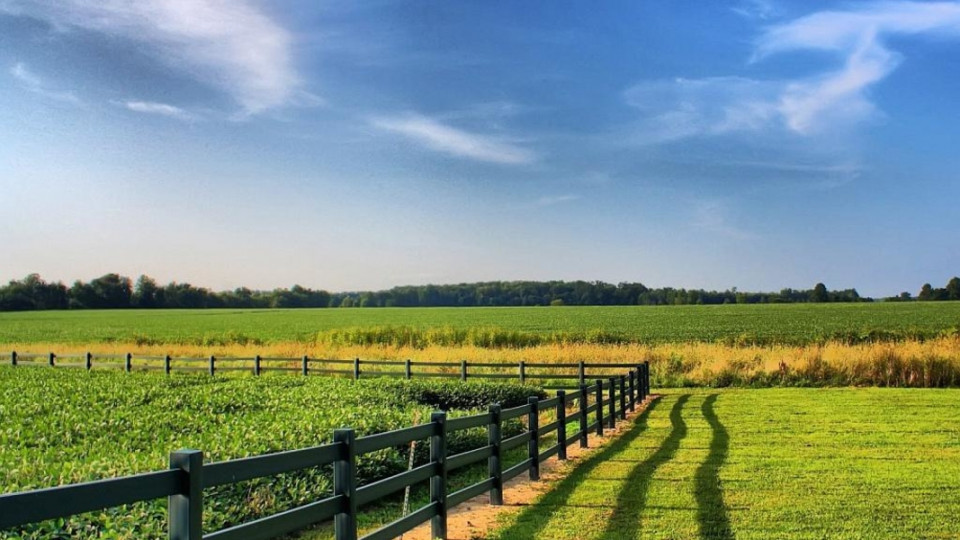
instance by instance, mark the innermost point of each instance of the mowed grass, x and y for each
(759, 464)
(785, 323)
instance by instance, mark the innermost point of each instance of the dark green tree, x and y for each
(819, 293)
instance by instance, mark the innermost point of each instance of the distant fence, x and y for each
(188, 475)
(573, 375)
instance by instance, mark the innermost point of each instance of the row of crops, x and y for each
(65, 426)
(493, 327)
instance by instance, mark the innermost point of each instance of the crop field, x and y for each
(788, 463)
(787, 324)
(64, 426)
(759, 464)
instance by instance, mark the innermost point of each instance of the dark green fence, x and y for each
(188, 475)
(565, 376)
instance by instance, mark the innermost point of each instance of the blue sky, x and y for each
(752, 144)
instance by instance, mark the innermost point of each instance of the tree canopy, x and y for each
(112, 291)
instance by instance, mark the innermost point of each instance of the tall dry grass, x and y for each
(911, 363)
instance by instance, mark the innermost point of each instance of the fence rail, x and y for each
(566, 376)
(183, 483)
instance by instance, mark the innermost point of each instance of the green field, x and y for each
(778, 323)
(761, 464)
(62, 426)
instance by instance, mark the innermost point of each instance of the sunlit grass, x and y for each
(934, 362)
(775, 463)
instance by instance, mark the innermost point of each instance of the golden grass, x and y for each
(928, 363)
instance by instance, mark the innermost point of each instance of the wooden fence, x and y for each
(183, 483)
(570, 376)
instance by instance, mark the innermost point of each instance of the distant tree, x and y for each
(953, 289)
(905, 296)
(926, 292)
(145, 292)
(819, 293)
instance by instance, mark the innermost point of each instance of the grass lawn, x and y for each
(759, 464)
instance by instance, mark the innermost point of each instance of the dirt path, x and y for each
(473, 519)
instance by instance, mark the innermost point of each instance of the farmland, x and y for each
(63, 426)
(787, 324)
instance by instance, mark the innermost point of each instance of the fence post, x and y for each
(599, 391)
(438, 482)
(356, 368)
(523, 372)
(304, 365)
(562, 424)
(533, 447)
(345, 484)
(623, 397)
(463, 370)
(89, 359)
(166, 364)
(13, 358)
(128, 363)
(51, 359)
(185, 509)
(613, 403)
(495, 462)
(256, 365)
(646, 377)
(633, 392)
(213, 368)
(640, 393)
(408, 369)
(583, 415)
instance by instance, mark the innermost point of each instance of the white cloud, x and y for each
(443, 138)
(162, 109)
(833, 100)
(229, 44)
(35, 84)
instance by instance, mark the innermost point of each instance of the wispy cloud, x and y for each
(714, 216)
(440, 137)
(682, 108)
(755, 9)
(35, 84)
(229, 44)
(162, 109)
(835, 99)
(553, 200)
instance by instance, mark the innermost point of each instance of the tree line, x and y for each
(113, 291)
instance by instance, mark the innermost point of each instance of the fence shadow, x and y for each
(711, 511)
(534, 519)
(625, 521)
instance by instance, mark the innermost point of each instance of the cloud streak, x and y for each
(434, 135)
(553, 200)
(227, 44)
(32, 82)
(835, 99)
(161, 109)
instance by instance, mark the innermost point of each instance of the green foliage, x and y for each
(113, 291)
(792, 324)
(62, 426)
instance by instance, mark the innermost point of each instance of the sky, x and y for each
(757, 144)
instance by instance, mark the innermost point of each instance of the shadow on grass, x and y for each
(625, 521)
(533, 519)
(711, 511)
